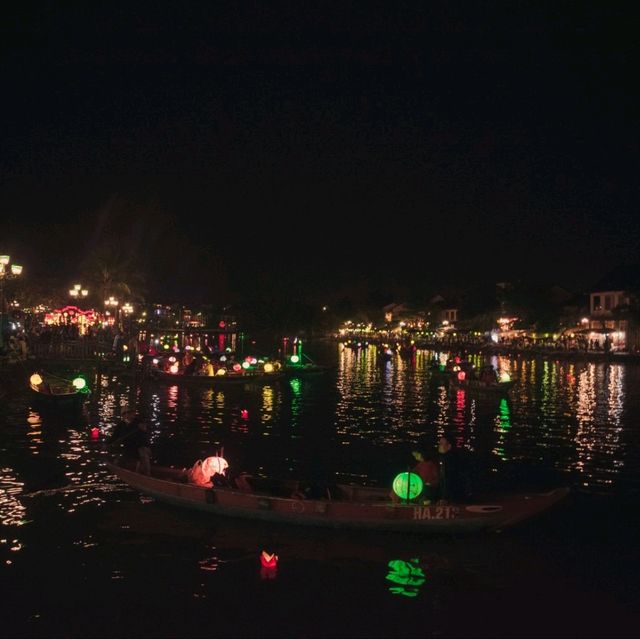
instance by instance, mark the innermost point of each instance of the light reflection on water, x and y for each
(577, 421)
(575, 418)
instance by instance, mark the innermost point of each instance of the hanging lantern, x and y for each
(407, 485)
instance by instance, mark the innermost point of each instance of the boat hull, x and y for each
(354, 508)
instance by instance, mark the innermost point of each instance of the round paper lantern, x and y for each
(461, 376)
(35, 379)
(213, 465)
(407, 485)
(294, 359)
(268, 368)
(79, 383)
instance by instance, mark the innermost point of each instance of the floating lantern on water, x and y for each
(268, 565)
(95, 432)
(505, 377)
(35, 379)
(174, 368)
(461, 376)
(221, 371)
(237, 368)
(407, 485)
(294, 359)
(245, 365)
(79, 383)
(244, 413)
(268, 368)
(268, 560)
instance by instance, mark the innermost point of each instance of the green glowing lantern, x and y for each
(407, 485)
(294, 359)
(79, 383)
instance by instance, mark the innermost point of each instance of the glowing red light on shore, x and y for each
(95, 432)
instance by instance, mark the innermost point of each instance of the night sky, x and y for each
(388, 147)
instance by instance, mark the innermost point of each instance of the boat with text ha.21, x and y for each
(331, 505)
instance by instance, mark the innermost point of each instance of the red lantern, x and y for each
(461, 376)
(244, 413)
(268, 560)
(95, 432)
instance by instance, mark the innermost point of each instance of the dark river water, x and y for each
(84, 556)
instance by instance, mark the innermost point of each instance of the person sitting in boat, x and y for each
(312, 490)
(188, 363)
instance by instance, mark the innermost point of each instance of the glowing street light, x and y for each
(78, 292)
(6, 273)
(112, 302)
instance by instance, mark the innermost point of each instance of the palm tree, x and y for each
(114, 272)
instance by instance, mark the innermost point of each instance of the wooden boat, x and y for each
(499, 388)
(345, 506)
(231, 378)
(310, 368)
(56, 392)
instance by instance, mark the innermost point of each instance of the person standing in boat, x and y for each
(450, 475)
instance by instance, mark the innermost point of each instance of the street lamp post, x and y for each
(6, 273)
(112, 302)
(77, 292)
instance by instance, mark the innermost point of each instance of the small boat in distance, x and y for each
(341, 506)
(54, 391)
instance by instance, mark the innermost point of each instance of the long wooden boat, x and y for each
(231, 378)
(346, 506)
(499, 388)
(57, 393)
(309, 368)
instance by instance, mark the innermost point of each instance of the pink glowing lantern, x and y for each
(244, 413)
(95, 432)
(461, 376)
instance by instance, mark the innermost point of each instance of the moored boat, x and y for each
(240, 377)
(478, 385)
(343, 506)
(57, 392)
